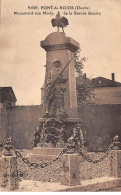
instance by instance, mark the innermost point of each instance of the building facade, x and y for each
(107, 91)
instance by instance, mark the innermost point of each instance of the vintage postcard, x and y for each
(60, 95)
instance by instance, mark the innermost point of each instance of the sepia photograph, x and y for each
(60, 95)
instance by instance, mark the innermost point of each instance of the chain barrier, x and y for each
(70, 148)
(41, 165)
(95, 161)
(64, 150)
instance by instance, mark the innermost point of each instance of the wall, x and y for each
(107, 95)
(21, 124)
(101, 123)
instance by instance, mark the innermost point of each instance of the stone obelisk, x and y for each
(60, 83)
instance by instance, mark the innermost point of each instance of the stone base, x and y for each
(68, 120)
(35, 157)
(45, 153)
(9, 179)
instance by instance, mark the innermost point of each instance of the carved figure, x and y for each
(116, 138)
(8, 147)
(77, 138)
(59, 22)
(37, 136)
(52, 131)
(55, 96)
(64, 134)
(117, 144)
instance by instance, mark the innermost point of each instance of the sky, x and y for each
(22, 59)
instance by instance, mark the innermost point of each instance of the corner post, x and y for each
(8, 169)
(115, 156)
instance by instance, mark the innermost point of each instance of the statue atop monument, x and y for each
(59, 22)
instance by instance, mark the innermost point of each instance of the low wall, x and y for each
(100, 124)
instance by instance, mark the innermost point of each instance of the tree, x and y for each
(84, 87)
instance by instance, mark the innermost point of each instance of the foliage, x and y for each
(85, 92)
(79, 62)
(84, 87)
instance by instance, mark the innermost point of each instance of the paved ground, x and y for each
(95, 184)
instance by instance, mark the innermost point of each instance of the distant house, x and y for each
(107, 91)
(7, 97)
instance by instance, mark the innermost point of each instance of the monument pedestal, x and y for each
(40, 153)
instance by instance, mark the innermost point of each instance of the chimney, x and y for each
(113, 77)
(85, 75)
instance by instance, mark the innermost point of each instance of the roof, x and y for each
(98, 81)
(6, 93)
(104, 82)
(82, 78)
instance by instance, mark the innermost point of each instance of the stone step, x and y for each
(36, 158)
(46, 151)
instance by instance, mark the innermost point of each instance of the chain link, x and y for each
(95, 161)
(36, 165)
